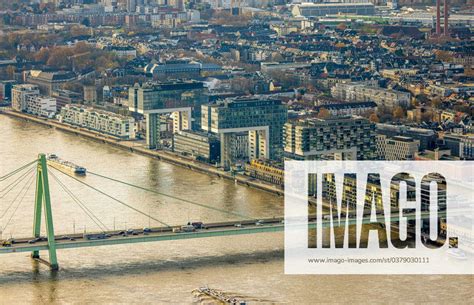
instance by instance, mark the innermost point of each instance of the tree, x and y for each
(323, 113)
(42, 55)
(374, 118)
(78, 31)
(398, 113)
(341, 26)
(427, 116)
(81, 47)
(436, 102)
(277, 57)
(59, 58)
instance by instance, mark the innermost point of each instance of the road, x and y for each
(166, 233)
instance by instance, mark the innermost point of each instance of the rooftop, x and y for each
(310, 4)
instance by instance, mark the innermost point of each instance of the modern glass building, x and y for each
(262, 119)
(344, 138)
(152, 99)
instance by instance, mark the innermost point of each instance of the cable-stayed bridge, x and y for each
(36, 172)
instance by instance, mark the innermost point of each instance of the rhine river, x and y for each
(168, 272)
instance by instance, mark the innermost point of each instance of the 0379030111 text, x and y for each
(394, 217)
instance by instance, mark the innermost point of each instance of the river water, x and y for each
(168, 272)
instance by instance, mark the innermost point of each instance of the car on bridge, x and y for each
(35, 240)
(197, 225)
(132, 232)
(186, 228)
(95, 236)
(6, 243)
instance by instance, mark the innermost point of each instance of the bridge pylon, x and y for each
(43, 203)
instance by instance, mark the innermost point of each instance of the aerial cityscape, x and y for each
(172, 121)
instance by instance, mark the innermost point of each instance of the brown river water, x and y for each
(167, 272)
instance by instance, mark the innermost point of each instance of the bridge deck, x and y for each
(166, 233)
(156, 234)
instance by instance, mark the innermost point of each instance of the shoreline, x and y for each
(156, 154)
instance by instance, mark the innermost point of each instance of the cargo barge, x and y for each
(65, 166)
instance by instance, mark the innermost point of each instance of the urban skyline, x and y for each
(201, 103)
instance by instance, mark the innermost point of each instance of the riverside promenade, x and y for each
(139, 148)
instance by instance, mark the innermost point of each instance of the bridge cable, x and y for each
(113, 198)
(174, 197)
(30, 183)
(18, 195)
(17, 181)
(12, 173)
(80, 204)
(86, 210)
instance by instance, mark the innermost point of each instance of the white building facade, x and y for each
(97, 120)
(41, 106)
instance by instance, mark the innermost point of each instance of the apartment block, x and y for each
(427, 137)
(202, 146)
(265, 170)
(41, 106)
(98, 120)
(461, 145)
(347, 138)
(262, 119)
(154, 99)
(361, 92)
(397, 148)
(21, 94)
(322, 9)
(349, 109)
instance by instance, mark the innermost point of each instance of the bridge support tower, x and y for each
(43, 204)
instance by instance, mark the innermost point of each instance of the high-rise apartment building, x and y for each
(21, 94)
(263, 120)
(342, 138)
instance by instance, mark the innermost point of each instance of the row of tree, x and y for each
(79, 57)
